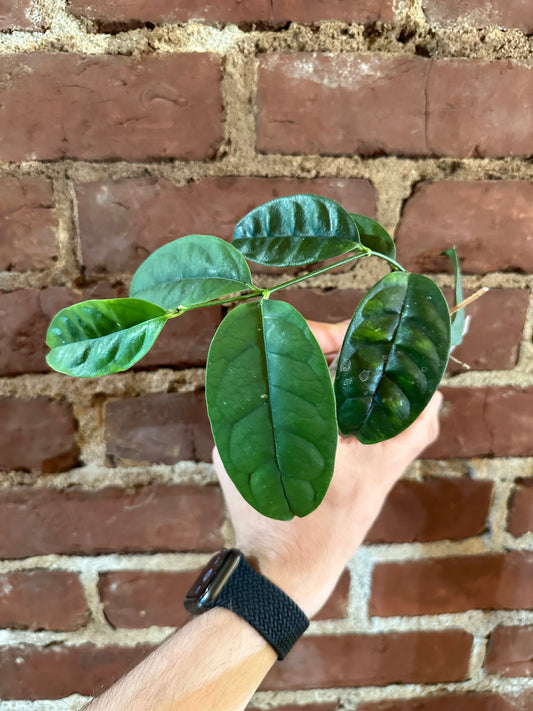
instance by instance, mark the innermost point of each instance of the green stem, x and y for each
(320, 271)
(256, 291)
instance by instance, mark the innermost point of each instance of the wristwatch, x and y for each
(229, 581)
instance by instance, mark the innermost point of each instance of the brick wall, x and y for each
(126, 124)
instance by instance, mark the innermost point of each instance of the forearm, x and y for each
(214, 663)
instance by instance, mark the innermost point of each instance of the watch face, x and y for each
(211, 580)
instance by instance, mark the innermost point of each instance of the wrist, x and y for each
(310, 592)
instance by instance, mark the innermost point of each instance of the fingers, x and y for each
(425, 429)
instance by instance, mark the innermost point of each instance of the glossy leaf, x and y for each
(191, 270)
(270, 402)
(458, 319)
(295, 230)
(374, 236)
(393, 357)
(99, 337)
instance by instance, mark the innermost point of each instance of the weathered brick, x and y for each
(373, 660)
(153, 518)
(488, 221)
(520, 519)
(124, 221)
(310, 11)
(55, 671)
(433, 510)
(20, 15)
(374, 104)
(110, 107)
(139, 598)
(42, 599)
(37, 435)
(329, 306)
(499, 581)
(162, 428)
(463, 119)
(368, 104)
(484, 421)
(137, 12)
(497, 13)
(454, 702)
(27, 224)
(242, 13)
(25, 315)
(510, 651)
(495, 332)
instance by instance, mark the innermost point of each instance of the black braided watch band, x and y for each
(229, 581)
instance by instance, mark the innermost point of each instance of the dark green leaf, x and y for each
(295, 230)
(99, 337)
(393, 357)
(191, 270)
(270, 402)
(374, 236)
(458, 319)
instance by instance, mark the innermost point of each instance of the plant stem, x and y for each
(319, 271)
(474, 296)
(266, 292)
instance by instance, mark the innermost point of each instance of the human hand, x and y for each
(305, 556)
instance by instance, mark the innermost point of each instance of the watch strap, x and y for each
(263, 605)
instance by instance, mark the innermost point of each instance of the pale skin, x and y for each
(217, 660)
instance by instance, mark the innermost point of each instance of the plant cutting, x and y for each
(273, 409)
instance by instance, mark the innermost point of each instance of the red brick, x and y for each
(124, 221)
(24, 319)
(163, 428)
(454, 702)
(329, 306)
(497, 13)
(373, 660)
(19, 15)
(37, 435)
(138, 598)
(42, 599)
(442, 585)
(341, 104)
(463, 119)
(110, 107)
(153, 518)
(433, 510)
(484, 422)
(521, 509)
(264, 11)
(310, 11)
(136, 12)
(374, 104)
(495, 332)
(56, 671)
(27, 224)
(474, 216)
(510, 651)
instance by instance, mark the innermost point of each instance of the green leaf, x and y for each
(189, 271)
(458, 319)
(295, 230)
(270, 402)
(374, 236)
(105, 336)
(393, 357)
